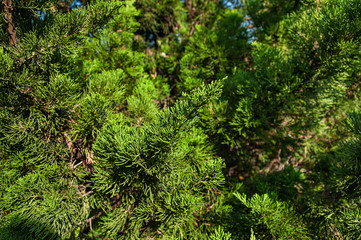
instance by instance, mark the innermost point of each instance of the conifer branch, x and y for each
(10, 24)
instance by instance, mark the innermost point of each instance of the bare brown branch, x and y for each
(10, 23)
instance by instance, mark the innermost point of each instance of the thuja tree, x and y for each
(345, 182)
(42, 195)
(85, 147)
(161, 178)
(300, 86)
(331, 206)
(285, 105)
(300, 83)
(89, 147)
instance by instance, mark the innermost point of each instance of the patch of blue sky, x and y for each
(42, 15)
(76, 4)
(232, 4)
(176, 36)
(90, 37)
(249, 25)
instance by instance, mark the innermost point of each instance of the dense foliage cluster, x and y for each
(169, 119)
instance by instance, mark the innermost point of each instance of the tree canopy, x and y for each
(169, 119)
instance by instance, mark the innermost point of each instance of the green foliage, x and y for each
(273, 219)
(289, 89)
(266, 17)
(351, 220)
(141, 105)
(113, 124)
(219, 234)
(160, 17)
(214, 50)
(158, 171)
(284, 185)
(350, 165)
(43, 205)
